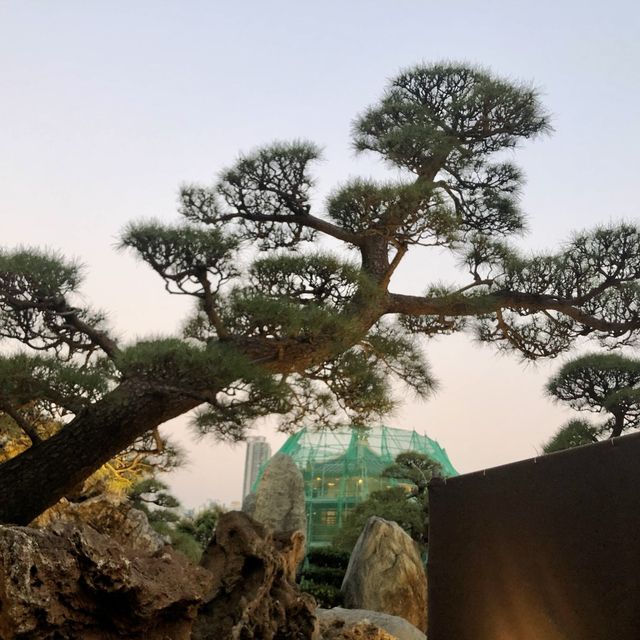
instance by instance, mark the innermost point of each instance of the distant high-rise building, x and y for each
(258, 452)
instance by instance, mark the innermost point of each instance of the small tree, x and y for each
(573, 434)
(201, 525)
(414, 468)
(392, 504)
(408, 509)
(189, 534)
(280, 327)
(599, 383)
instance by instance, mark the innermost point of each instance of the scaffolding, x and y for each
(342, 467)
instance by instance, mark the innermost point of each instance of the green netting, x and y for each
(342, 467)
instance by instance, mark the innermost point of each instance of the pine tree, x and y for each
(606, 383)
(280, 327)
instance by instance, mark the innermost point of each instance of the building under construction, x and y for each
(342, 467)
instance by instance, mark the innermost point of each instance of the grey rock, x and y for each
(249, 504)
(385, 574)
(279, 501)
(394, 625)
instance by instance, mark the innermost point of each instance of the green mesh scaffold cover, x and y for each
(342, 467)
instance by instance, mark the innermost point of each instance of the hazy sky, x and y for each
(107, 107)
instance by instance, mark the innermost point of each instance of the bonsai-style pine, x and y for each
(600, 383)
(280, 326)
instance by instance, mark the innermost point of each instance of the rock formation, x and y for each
(385, 574)
(338, 618)
(253, 595)
(279, 499)
(111, 516)
(339, 630)
(69, 582)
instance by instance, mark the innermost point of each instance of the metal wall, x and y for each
(545, 549)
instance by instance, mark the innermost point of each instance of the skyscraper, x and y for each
(258, 452)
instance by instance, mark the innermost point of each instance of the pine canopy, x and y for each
(280, 327)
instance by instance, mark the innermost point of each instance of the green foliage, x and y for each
(600, 383)
(598, 271)
(34, 286)
(329, 557)
(48, 385)
(159, 359)
(326, 595)
(151, 491)
(300, 332)
(587, 382)
(270, 189)
(574, 434)
(180, 540)
(392, 504)
(323, 574)
(408, 508)
(319, 279)
(455, 117)
(189, 534)
(201, 525)
(411, 213)
(187, 257)
(414, 468)
(31, 275)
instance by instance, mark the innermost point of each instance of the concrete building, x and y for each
(258, 452)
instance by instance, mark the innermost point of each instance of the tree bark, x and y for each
(39, 477)
(618, 425)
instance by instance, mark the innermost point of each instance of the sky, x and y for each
(106, 108)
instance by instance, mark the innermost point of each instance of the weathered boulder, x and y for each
(385, 574)
(279, 499)
(253, 595)
(110, 515)
(71, 582)
(338, 618)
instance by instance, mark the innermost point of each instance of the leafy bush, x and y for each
(323, 574)
(328, 557)
(327, 596)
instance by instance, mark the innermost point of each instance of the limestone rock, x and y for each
(332, 620)
(72, 582)
(385, 574)
(253, 595)
(111, 516)
(279, 501)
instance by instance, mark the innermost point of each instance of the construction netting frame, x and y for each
(342, 467)
(545, 549)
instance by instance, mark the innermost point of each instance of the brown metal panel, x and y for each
(545, 549)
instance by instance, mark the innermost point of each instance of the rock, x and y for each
(111, 516)
(385, 574)
(253, 595)
(339, 630)
(394, 625)
(72, 582)
(279, 500)
(291, 545)
(249, 504)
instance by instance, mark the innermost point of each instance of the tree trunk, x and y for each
(36, 479)
(618, 425)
